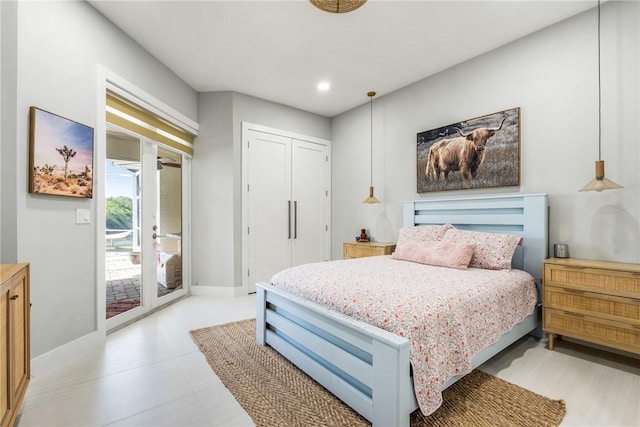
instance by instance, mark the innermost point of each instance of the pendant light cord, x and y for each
(371, 149)
(599, 93)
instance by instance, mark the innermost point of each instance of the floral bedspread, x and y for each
(447, 315)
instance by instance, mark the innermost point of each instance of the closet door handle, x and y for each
(289, 218)
(295, 219)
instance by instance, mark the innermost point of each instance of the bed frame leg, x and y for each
(391, 386)
(261, 326)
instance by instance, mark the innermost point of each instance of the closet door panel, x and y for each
(269, 198)
(310, 181)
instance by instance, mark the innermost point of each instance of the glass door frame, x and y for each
(108, 80)
(149, 299)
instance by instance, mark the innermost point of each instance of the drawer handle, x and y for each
(14, 297)
(573, 314)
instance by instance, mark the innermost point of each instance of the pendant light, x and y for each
(600, 183)
(371, 199)
(337, 6)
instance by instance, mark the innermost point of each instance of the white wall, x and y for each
(552, 76)
(217, 209)
(60, 48)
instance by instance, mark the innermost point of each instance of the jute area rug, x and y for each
(274, 392)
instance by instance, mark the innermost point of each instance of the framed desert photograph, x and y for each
(475, 153)
(60, 155)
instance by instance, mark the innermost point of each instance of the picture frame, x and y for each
(482, 152)
(60, 155)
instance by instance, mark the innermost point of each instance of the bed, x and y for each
(368, 367)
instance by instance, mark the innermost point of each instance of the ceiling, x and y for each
(281, 50)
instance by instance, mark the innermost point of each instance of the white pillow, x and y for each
(493, 251)
(422, 233)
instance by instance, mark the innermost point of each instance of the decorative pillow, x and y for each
(422, 233)
(493, 251)
(440, 254)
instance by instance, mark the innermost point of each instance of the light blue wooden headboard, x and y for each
(525, 215)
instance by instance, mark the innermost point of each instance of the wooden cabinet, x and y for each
(15, 367)
(365, 249)
(593, 301)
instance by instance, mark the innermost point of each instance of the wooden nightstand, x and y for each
(593, 301)
(365, 249)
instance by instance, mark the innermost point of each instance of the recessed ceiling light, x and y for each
(324, 86)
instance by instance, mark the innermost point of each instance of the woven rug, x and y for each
(274, 392)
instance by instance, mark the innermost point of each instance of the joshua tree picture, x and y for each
(60, 155)
(67, 154)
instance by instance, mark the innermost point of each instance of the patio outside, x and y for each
(123, 278)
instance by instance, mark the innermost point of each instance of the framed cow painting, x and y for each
(475, 153)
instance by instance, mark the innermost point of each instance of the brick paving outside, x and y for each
(123, 279)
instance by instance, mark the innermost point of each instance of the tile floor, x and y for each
(150, 373)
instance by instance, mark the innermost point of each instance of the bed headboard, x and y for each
(525, 215)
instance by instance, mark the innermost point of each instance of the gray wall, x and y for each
(60, 46)
(552, 76)
(217, 210)
(1, 117)
(8, 78)
(212, 186)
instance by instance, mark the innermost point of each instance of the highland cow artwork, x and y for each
(477, 153)
(60, 155)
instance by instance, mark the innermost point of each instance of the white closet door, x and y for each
(268, 199)
(310, 194)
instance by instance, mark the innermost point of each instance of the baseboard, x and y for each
(218, 291)
(46, 362)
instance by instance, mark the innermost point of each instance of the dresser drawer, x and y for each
(593, 304)
(613, 282)
(618, 335)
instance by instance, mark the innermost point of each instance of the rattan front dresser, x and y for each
(593, 301)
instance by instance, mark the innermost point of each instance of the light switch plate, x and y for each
(83, 216)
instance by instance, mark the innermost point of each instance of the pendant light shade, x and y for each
(337, 6)
(371, 199)
(600, 183)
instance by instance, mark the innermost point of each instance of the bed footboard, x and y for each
(365, 367)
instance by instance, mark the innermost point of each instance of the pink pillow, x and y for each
(440, 254)
(422, 233)
(493, 251)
